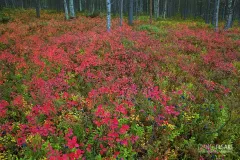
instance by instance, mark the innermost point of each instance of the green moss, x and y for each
(157, 31)
(127, 43)
(3, 46)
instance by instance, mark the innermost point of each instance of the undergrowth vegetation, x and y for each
(71, 90)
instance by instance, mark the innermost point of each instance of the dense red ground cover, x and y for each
(71, 90)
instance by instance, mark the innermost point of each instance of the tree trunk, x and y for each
(200, 8)
(223, 10)
(216, 14)
(165, 9)
(179, 5)
(148, 5)
(229, 15)
(239, 13)
(71, 8)
(80, 5)
(136, 9)
(93, 7)
(114, 8)
(208, 12)
(6, 4)
(22, 4)
(100, 7)
(233, 6)
(150, 11)
(108, 15)
(156, 8)
(13, 3)
(38, 8)
(121, 12)
(130, 14)
(141, 7)
(66, 9)
(185, 10)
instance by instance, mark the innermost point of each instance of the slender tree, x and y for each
(229, 14)
(108, 15)
(121, 12)
(66, 9)
(141, 7)
(13, 3)
(93, 7)
(150, 10)
(165, 9)
(71, 8)
(6, 3)
(137, 8)
(156, 8)
(216, 14)
(179, 5)
(130, 13)
(22, 4)
(239, 13)
(208, 11)
(37, 8)
(80, 5)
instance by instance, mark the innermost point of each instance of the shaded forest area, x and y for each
(119, 79)
(210, 10)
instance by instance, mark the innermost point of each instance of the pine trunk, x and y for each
(130, 14)
(38, 8)
(150, 11)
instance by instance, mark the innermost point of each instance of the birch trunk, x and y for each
(216, 14)
(165, 9)
(80, 5)
(108, 15)
(71, 8)
(121, 12)
(66, 9)
(156, 8)
(229, 15)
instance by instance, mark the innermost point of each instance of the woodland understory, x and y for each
(72, 90)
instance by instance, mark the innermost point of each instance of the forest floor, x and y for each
(70, 90)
